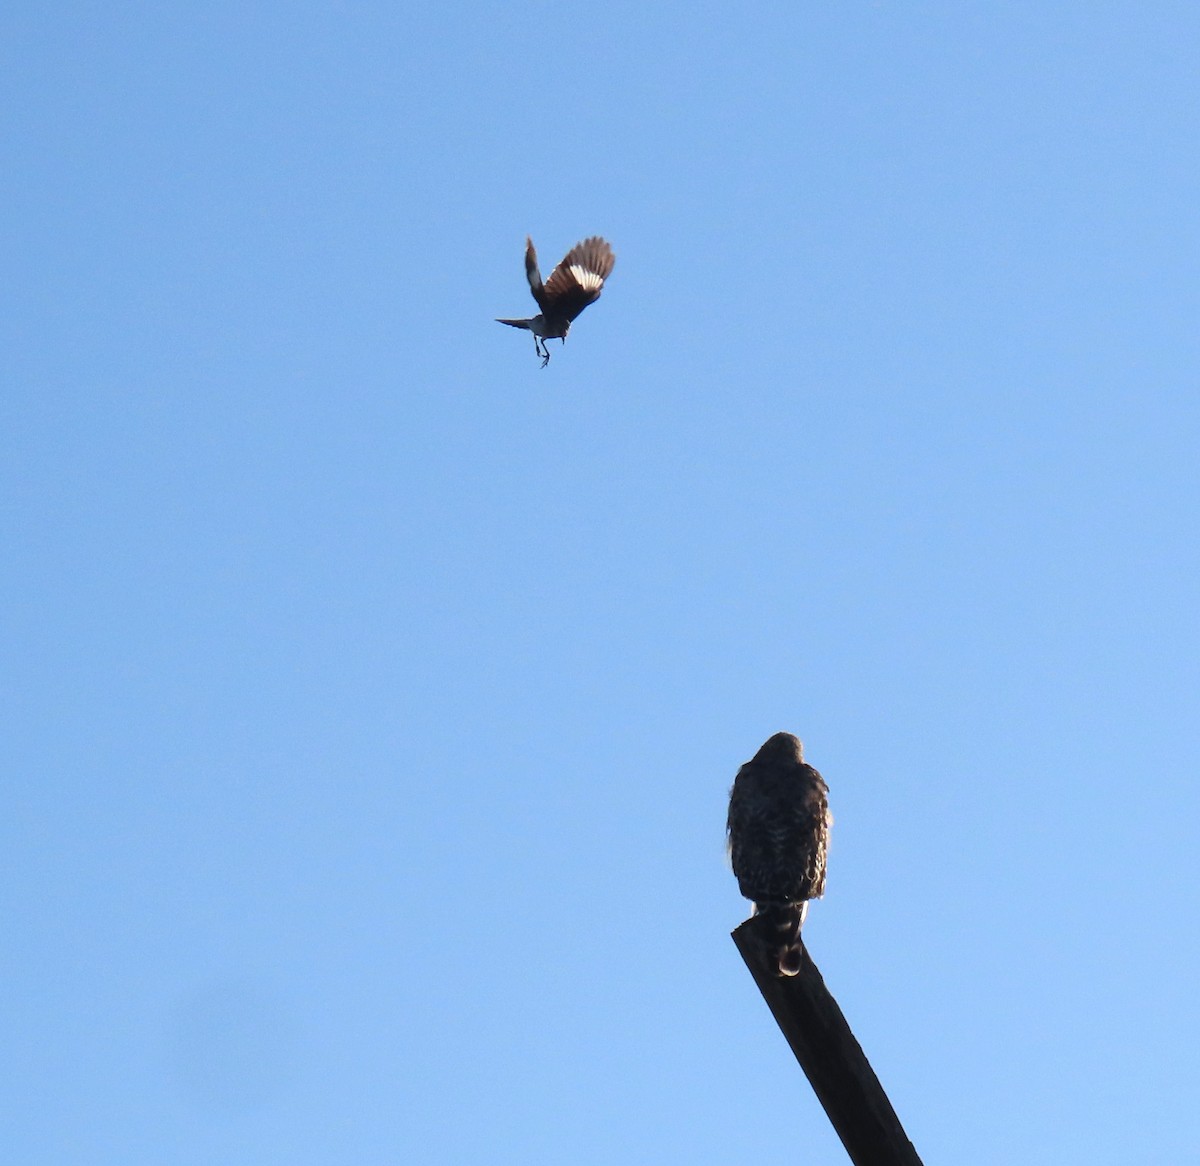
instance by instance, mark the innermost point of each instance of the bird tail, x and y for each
(786, 919)
(514, 323)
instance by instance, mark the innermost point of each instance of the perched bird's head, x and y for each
(781, 748)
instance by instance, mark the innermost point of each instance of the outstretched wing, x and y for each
(533, 275)
(577, 280)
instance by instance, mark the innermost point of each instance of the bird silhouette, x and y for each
(573, 284)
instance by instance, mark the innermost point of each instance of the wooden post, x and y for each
(833, 1061)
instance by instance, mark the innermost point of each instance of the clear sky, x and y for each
(371, 696)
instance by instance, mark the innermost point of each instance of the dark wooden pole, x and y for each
(833, 1061)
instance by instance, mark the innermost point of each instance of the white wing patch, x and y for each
(588, 280)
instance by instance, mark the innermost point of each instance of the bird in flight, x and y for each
(778, 830)
(573, 284)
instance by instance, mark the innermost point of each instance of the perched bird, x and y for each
(778, 832)
(573, 284)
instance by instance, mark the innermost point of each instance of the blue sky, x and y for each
(371, 696)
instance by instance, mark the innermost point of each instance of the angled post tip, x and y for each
(831, 1057)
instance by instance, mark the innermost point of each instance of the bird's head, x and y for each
(782, 747)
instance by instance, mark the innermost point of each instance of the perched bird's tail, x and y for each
(786, 919)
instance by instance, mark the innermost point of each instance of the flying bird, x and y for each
(778, 832)
(573, 284)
